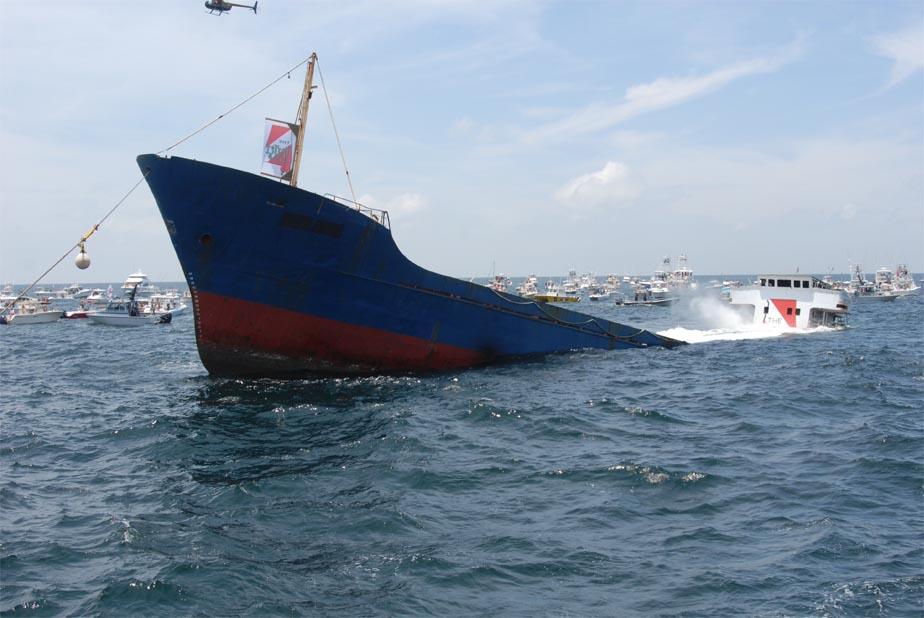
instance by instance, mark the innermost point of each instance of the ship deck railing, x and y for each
(380, 216)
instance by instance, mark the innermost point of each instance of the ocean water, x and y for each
(742, 475)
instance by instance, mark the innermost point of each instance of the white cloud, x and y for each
(613, 183)
(407, 204)
(461, 126)
(405, 208)
(666, 91)
(905, 48)
(404, 203)
(835, 180)
(659, 94)
(848, 211)
(635, 140)
(449, 128)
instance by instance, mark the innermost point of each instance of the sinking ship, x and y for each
(285, 282)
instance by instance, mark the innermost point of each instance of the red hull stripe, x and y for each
(229, 327)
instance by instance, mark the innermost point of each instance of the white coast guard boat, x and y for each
(791, 301)
(127, 313)
(130, 312)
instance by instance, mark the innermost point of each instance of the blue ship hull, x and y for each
(287, 282)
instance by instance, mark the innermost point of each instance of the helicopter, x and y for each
(222, 7)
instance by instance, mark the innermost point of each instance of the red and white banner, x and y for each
(278, 149)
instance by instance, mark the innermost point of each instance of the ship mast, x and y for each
(302, 118)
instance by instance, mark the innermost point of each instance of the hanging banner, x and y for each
(279, 149)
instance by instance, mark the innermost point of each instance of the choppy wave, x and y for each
(764, 475)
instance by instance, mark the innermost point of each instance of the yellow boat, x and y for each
(560, 298)
(553, 294)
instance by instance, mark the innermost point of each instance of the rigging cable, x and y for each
(79, 243)
(260, 91)
(337, 135)
(197, 131)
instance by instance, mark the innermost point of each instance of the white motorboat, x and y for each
(97, 297)
(7, 295)
(861, 289)
(161, 304)
(140, 283)
(44, 293)
(529, 288)
(499, 283)
(791, 301)
(29, 311)
(867, 291)
(654, 292)
(903, 283)
(680, 278)
(75, 291)
(127, 313)
(650, 302)
(133, 312)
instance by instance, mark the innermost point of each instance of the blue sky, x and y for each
(523, 137)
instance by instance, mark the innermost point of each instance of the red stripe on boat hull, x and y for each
(238, 337)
